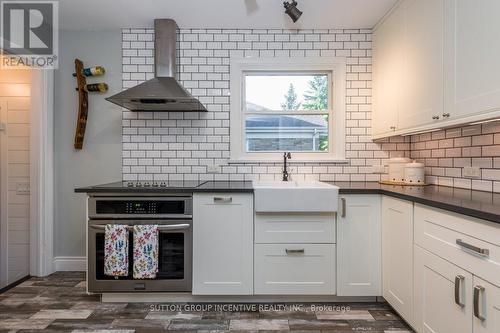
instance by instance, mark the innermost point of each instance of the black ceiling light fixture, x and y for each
(292, 11)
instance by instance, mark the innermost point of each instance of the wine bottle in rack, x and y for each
(96, 87)
(93, 71)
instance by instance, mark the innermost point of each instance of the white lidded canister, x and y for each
(415, 173)
(397, 169)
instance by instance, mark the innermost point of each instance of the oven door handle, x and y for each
(182, 226)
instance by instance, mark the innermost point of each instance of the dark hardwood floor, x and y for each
(58, 303)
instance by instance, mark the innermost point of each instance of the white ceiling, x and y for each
(264, 14)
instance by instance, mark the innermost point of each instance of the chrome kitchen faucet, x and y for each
(286, 174)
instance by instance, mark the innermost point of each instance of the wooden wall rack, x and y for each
(83, 105)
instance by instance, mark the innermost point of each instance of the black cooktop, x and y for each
(139, 186)
(161, 184)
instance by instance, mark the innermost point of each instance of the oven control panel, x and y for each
(130, 207)
(140, 207)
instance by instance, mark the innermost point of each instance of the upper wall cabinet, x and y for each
(445, 54)
(387, 72)
(423, 63)
(472, 79)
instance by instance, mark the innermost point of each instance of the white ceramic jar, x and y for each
(397, 169)
(415, 173)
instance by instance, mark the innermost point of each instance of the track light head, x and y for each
(292, 11)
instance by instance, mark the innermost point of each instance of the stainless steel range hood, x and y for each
(164, 92)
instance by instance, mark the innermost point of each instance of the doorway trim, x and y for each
(4, 224)
(42, 173)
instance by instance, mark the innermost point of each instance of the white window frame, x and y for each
(336, 70)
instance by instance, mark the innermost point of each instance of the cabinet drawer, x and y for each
(294, 269)
(460, 239)
(295, 228)
(224, 199)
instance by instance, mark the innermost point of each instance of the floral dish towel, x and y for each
(116, 250)
(145, 251)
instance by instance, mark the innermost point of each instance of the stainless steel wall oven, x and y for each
(172, 214)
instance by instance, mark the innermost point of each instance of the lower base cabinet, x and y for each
(358, 246)
(222, 244)
(450, 299)
(294, 269)
(487, 314)
(456, 273)
(443, 295)
(397, 255)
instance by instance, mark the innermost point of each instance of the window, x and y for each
(287, 104)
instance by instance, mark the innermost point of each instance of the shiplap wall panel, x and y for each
(15, 86)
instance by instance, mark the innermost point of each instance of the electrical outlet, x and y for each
(214, 168)
(378, 168)
(23, 188)
(472, 172)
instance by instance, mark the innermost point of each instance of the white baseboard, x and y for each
(187, 297)
(68, 264)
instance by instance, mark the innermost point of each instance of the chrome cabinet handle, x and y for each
(344, 207)
(223, 199)
(473, 248)
(446, 115)
(295, 251)
(435, 117)
(477, 291)
(458, 282)
(160, 227)
(393, 128)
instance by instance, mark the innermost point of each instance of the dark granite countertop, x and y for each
(483, 205)
(230, 186)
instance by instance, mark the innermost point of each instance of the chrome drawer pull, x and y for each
(298, 251)
(223, 199)
(477, 291)
(478, 250)
(344, 208)
(458, 281)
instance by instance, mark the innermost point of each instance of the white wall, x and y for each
(100, 159)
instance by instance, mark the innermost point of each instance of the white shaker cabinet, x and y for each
(423, 63)
(470, 252)
(358, 246)
(397, 255)
(294, 254)
(486, 307)
(222, 244)
(472, 55)
(388, 57)
(294, 269)
(443, 295)
(435, 65)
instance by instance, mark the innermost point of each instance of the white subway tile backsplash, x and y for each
(467, 146)
(177, 146)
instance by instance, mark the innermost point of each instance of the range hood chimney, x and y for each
(163, 92)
